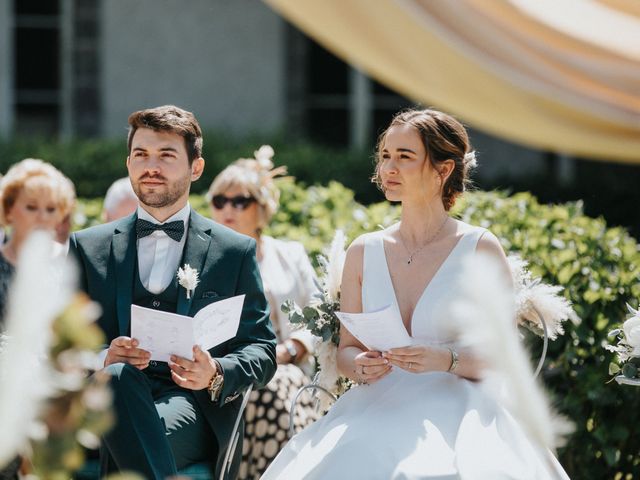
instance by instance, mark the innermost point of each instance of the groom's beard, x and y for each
(164, 195)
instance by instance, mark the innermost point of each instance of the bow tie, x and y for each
(174, 230)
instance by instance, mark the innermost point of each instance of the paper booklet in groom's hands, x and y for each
(164, 334)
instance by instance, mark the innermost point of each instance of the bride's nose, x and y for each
(389, 167)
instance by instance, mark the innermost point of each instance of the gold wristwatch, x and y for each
(215, 385)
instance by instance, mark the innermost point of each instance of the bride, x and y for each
(418, 411)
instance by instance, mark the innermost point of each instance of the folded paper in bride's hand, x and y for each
(164, 333)
(379, 330)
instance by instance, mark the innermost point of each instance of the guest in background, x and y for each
(33, 195)
(244, 197)
(63, 230)
(120, 200)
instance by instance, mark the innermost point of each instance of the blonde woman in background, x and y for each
(34, 195)
(244, 197)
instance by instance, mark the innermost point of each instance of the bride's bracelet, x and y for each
(454, 360)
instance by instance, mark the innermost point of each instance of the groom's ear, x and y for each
(197, 167)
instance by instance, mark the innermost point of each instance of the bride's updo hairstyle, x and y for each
(443, 138)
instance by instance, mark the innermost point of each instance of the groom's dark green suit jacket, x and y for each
(227, 266)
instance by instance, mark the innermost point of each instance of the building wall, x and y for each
(500, 159)
(222, 60)
(6, 69)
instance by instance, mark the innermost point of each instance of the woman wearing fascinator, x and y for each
(417, 411)
(244, 197)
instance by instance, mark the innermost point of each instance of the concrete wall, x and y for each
(223, 60)
(6, 68)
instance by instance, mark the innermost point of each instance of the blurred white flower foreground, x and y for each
(41, 289)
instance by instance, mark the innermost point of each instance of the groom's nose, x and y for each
(152, 166)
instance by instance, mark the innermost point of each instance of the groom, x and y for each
(169, 415)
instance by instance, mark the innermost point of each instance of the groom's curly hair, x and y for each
(444, 138)
(169, 118)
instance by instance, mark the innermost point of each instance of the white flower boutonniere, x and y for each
(188, 278)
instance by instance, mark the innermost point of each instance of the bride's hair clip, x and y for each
(470, 160)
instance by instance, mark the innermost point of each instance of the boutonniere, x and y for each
(188, 278)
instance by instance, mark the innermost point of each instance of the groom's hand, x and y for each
(196, 374)
(125, 350)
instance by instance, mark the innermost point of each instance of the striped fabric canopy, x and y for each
(555, 75)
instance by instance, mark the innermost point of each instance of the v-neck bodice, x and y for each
(429, 318)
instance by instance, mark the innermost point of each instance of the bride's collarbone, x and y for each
(423, 264)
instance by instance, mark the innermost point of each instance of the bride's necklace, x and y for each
(427, 242)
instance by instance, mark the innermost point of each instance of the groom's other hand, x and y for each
(196, 374)
(125, 350)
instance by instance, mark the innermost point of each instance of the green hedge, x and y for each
(598, 266)
(94, 164)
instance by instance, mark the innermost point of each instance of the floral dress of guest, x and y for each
(287, 274)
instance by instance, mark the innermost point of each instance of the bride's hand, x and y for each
(419, 358)
(370, 367)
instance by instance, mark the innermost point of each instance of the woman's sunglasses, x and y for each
(239, 202)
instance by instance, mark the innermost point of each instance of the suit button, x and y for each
(155, 303)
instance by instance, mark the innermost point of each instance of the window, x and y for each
(36, 72)
(331, 102)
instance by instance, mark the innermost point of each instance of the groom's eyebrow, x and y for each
(162, 149)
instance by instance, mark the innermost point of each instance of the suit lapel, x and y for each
(124, 254)
(195, 254)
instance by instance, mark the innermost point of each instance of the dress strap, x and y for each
(469, 241)
(377, 290)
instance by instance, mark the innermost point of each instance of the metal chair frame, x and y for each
(235, 436)
(314, 387)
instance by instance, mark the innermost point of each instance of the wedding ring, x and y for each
(410, 365)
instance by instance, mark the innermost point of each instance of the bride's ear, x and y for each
(445, 169)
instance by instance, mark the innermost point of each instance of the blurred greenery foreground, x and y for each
(598, 267)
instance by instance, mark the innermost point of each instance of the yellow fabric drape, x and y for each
(513, 68)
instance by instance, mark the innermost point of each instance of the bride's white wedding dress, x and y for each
(415, 426)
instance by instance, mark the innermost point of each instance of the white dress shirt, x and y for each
(158, 255)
